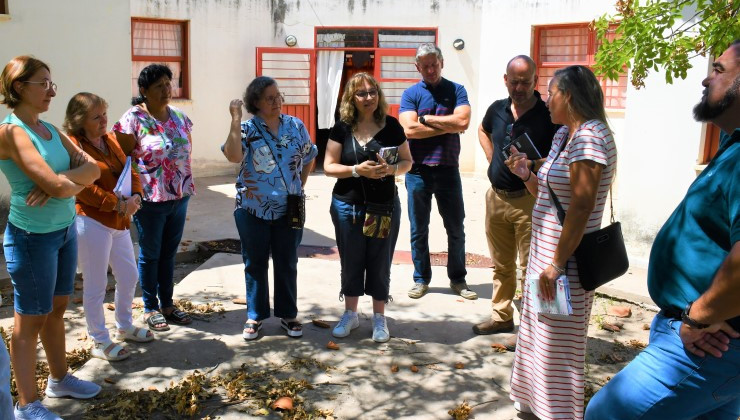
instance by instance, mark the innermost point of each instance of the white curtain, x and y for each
(328, 83)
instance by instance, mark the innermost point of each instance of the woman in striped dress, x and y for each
(548, 372)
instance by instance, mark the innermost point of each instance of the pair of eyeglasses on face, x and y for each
(272, 100)
(362, 94)
(46, 84)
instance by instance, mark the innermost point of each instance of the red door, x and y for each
(395, 70)
(294, 69)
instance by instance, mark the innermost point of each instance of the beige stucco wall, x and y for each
(224, 36)
(657, 139)
(85, 42)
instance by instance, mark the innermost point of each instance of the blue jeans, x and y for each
(366, 262)
(444, 183)
(667, 382)
(6, 401)
(258, 238)
(160, 227)
(41, 266)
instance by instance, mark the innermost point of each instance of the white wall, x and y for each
(85, 42)
(224, 36)
(657, 139)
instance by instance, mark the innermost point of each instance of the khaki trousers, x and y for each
(508, 230)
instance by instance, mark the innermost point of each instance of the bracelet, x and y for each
(528, 176)
(532, 168)
(558, 269)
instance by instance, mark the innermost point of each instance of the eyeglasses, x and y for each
(272, 100)
(362, 94)
(47, 84)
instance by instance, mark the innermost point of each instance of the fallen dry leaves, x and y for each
(461, 412)
(498, 348)
(414, 368)
(394, 368)
(201, 311)
(332, 345)
(319, 323)
(459, 365)
(636, 344)
(110, 307)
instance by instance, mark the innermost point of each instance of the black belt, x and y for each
(675, 313)
(511, 194)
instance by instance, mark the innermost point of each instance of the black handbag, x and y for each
(601, 255)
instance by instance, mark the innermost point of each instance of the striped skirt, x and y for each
(548, 371)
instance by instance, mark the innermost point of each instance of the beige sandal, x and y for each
(139, 335)
(110, 351)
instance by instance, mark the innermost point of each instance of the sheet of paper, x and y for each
(560, 305)
(123, 186)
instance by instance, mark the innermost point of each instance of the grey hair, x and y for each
(427, 49)
(586, 96)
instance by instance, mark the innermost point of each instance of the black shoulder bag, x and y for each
(601, 256)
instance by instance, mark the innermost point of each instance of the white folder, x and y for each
(123, 186)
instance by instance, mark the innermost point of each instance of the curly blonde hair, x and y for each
(347, 109)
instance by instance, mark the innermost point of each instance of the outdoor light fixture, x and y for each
(458, 44)
(291, 40)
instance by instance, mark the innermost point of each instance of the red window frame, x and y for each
(375, 30)
(183, 58)
(545, 67)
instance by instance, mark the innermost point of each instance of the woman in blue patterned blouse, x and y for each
(276, 156)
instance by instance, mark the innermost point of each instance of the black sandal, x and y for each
(156, 319)
(178, 317)
(294, 329)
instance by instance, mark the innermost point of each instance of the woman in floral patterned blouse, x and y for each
(276, 156)
(157, 136)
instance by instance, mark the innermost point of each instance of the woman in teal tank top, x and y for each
(45, 170)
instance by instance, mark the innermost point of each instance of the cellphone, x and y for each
(524, 144)
(390, 154)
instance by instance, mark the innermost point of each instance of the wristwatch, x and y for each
(354, 172)
(422, 120)
(686, 319)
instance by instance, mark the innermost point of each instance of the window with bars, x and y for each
(558, 46)
(374, 37)
(162, 42)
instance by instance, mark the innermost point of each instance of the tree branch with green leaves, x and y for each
(663, 35)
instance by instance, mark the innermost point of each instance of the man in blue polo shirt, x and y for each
(691, 368)
(433, 112)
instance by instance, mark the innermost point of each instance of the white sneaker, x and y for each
(380, 329)
(345, 326)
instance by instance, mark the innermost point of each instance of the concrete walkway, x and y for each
(433, 333)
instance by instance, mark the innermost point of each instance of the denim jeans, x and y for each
(160, 227)
(41, 266)
(444, 183)
(366, 262)
(665, 381)
(6, 401)
(259, 238)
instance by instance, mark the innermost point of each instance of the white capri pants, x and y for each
(97, 246)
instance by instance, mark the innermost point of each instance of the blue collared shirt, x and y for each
(272, 166)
